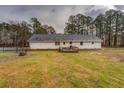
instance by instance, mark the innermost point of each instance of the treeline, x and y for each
(17, 33)
(108, 26)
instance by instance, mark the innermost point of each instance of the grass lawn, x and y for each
(90, 68)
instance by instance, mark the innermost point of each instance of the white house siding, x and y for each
(9, 48)
(89, 45)
(51, 45)
(43, 46)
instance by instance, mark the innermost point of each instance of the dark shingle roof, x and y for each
(63, 37)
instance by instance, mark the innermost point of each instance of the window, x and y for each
(92, 42)
(81, 43)
(70, 42)
(63, 43)
(57, 43)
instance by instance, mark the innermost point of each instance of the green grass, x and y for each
(101, 68)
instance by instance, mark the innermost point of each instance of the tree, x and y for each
(70, 25)
(89, 24)
(24, 33)
(110, 26)
(37, 27)
(118, 25)
(77, 24)
(100, 23)
(110, 15)
(49, 29)
(20, 33)
(122, 31)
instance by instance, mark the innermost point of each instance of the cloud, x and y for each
(99, 9)
(54, 15)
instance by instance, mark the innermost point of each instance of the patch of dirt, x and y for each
(121, 58)
(95, 53)
(118, 57)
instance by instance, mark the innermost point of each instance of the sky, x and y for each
(53, 15)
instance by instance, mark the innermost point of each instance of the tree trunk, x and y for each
(115, 39)
(122, 39)
(116, 30)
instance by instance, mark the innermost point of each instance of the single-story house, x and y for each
(55, 41)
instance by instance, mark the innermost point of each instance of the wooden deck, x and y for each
(69, 49)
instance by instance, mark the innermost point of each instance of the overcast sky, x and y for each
(55, 16)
